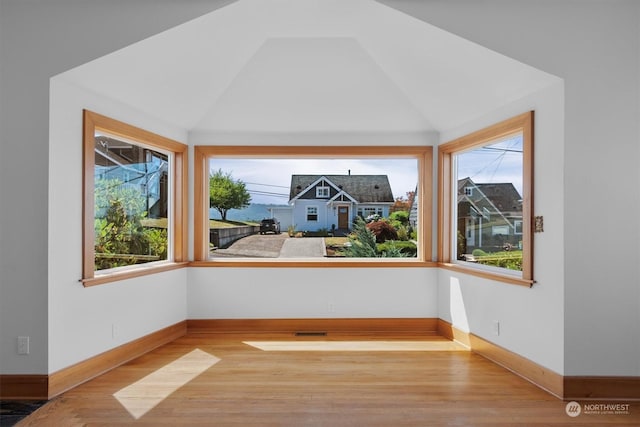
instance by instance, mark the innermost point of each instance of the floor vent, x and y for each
(310, 334)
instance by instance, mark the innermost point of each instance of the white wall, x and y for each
(83, 321)
(37, 41)
(593, 46)
(234, 293)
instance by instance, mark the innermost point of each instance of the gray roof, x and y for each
(363, 188)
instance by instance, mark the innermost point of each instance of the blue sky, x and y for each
(274, 175)
(496, 163)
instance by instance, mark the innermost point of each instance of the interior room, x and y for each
(291, 76)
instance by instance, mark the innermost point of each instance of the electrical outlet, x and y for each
(331, 308)
(496, 327)
(23, 345)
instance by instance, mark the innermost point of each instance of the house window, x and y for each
(297, 181)
(322, 192)
(497, 162)
(312, 213)
(134, 213)
(517, 224)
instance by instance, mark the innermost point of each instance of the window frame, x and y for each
(177, 258)
(422, 154)
(447, 195)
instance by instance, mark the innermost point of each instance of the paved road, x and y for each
(274, 246)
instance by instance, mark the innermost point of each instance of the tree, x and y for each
(402, 203)
(225, 193)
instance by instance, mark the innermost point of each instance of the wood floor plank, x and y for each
(243, 385)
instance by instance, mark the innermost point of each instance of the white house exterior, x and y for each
(332, 202)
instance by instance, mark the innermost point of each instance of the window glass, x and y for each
(314, 194)
(489, 204)
(486, 201)
(131, 208)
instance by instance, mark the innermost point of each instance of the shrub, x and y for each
(478, 252)
(403, 233)
(400, 218)
(408, 249)
(383, 231)
(362, 242)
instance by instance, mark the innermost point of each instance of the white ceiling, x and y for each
(310, 66)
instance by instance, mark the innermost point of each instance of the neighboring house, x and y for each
(489, 216)
(333, 201)
(413, 210)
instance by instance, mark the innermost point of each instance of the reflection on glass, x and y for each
(489, 204)
(131, 203)
(352, 204)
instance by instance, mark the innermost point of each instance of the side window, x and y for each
(486, 183)
(133, 200)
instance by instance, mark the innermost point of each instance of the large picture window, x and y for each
(339, 206)
(134, 212)
(486, 201)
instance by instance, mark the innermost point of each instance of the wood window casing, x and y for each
(93, 122)
(422, 154)
(523, 124)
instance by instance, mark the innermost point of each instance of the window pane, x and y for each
(313, 198)
(131, 203)
(489, 182)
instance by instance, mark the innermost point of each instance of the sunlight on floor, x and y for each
(356, 345)
(143, 395)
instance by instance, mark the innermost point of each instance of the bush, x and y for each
(399, 219)
(408, 249)
(323, 232)
(383, 231)
(403, 233)
(478, 252)
(362, 242)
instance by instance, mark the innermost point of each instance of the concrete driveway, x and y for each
(303, 247)
(273, 246)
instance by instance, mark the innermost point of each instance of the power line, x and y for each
(267, 193)
(504, 150)
(268, 185)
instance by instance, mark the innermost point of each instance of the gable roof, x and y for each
(503, 195)
(363, 188)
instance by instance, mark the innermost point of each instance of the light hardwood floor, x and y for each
(281, 380)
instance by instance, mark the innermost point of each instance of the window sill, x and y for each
(314, 263)
(487, 274)
(130, 273)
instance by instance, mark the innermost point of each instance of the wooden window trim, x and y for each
(93, 121)
(423, 155)
(522, 123)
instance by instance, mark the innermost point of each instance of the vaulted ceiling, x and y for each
(310, 66)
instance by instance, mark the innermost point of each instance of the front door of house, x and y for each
(343, 217)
